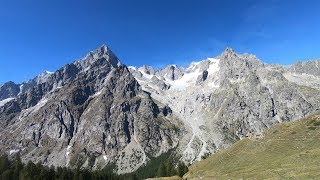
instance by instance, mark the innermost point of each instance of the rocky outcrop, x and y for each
(308, 67)
(171, 72)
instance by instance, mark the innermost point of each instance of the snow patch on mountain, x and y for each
(132, 67)
(187, 98)
(148, 76)
(5, 101)
(187, 79)
(13, 151)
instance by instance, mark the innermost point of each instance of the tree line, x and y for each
(14, 169)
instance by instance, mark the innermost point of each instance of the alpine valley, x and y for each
(97, 111)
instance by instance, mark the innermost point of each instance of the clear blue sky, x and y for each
(38, 35)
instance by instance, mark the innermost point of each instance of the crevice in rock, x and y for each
(125, 107)
(104, 141)
(126, 128)
(71, 128)
(60, 132)
(273, 108)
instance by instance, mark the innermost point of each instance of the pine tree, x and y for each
(162, 172)
(29, 171)
(7, 175)
(182, 169)
(4, 164)
(51, 173)
(17, 166)
(170, 168)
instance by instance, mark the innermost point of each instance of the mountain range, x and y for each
(97, 111)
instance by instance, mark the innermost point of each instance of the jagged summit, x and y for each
(9, 83)
(8, 90)
(228, 53)
(101, 53)
(104, 47)
(229, 49)
(102, 50)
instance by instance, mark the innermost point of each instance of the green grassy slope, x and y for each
(287, 150)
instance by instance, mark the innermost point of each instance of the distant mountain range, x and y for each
(97, 111)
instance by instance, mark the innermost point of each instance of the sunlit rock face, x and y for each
(89, 113)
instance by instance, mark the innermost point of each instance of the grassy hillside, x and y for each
(288, 150)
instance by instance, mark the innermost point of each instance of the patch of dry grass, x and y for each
(166, 178)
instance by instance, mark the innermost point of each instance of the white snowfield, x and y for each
(13, 151)
(5, 101)
(181, 98)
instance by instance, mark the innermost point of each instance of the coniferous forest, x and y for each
(12, 169)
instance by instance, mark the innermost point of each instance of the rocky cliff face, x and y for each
(89, 113)
(96, 111)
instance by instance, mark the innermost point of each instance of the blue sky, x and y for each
(37, 35)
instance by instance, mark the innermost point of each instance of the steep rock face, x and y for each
(223, 99)
(171, 72)
(89, 113)
(258, 97)
(8, 90)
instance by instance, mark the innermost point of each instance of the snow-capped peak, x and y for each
(228, 53)
(48, 72)
(43, 77)
(132, 67)
(203, 64)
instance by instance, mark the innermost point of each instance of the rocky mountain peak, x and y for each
(102, 50)
(228, 53)
(8, 90)
(148, 70)
(102, 53)
(172, 72)
(9, 83)
(43, 77)
(89, 113)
